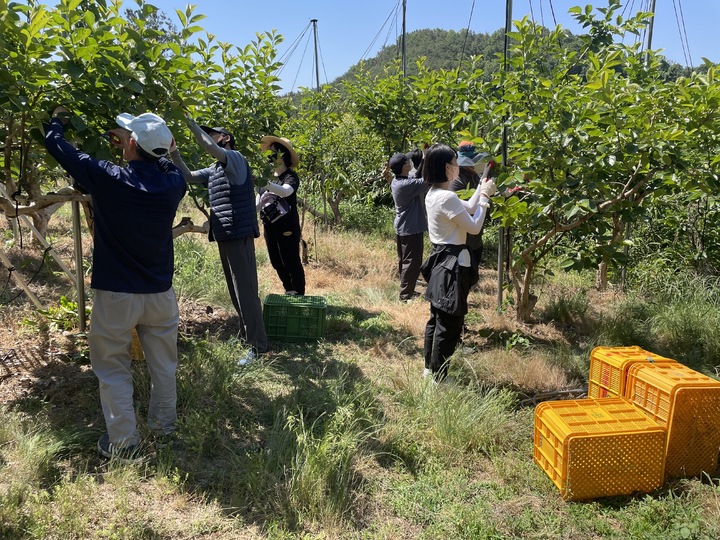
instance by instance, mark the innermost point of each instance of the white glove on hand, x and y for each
(488, 188)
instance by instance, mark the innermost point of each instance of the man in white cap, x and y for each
(233, 225)
(133, 262)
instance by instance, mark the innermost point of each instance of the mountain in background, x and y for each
(443, 49)
(446, 49)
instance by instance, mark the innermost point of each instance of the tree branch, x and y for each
(186, 225)
(624, 194)
(31, 206)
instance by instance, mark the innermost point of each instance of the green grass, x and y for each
(676, 315)
(343, 438)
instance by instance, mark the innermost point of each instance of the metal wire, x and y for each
(467, 33)
(392, 13)
(37, 272)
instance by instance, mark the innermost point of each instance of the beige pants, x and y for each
(156, 318)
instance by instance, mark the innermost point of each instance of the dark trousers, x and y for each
(238, 261)
(410, 257)
(442, 334)
(283, 245)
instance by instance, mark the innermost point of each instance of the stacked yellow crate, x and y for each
(601, 447)
(609, 368)
(685, 403)
(598, 447)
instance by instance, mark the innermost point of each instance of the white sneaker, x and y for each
(291, 293)
(427, 373)
(249, 358)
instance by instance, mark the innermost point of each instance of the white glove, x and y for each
(488, 188)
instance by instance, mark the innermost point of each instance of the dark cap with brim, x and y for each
(222, 131)
(397, 162)
(208, 129)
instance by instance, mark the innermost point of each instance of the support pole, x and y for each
(501, 232)
(317, 88)
(79, 274)
(650, 32)
(317, 66)
(20, 281)
(404, 64)
(628, 226)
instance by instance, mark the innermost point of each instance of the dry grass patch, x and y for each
(531, 372)
(407, 318)
(357, 256)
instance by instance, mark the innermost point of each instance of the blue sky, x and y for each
(351, 31)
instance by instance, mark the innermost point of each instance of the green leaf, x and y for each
(181, 16)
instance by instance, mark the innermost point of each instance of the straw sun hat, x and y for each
(267, 141)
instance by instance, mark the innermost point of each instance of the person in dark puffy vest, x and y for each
(471, 163)
(233, 225)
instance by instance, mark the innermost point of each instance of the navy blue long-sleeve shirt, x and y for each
(134, 208)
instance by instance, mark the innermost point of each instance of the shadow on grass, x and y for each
(239, 437)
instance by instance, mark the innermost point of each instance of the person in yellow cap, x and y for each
(277, 203)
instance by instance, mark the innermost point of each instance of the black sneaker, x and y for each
(125, 454)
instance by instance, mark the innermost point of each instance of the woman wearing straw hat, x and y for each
(277, 203)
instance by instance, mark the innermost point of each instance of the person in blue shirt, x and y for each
(133, 262)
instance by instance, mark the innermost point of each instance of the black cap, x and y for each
(208, 129)
(222, 130)
(397, 162)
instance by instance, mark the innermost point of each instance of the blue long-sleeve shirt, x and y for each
(134, 208)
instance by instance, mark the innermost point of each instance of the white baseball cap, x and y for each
(149, 131)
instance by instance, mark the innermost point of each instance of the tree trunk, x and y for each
(524, 300)
(601, 276)
(41, 220)
(334, 203)
(601, 279)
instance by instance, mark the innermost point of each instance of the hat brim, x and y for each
(467, 161)
(208, 129)
(123, 120)
(267, 141)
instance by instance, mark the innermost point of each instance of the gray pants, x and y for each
(156, 318)
(238, 261)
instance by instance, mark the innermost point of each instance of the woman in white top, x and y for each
(449, 270)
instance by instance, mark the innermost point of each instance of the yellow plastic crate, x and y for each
(609, 367)
(598, 447)
(687, 404)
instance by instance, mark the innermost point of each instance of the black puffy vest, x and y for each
(232, 207)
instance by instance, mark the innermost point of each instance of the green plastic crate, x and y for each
(294, 318)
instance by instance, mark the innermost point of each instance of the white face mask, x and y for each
(452, 170)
